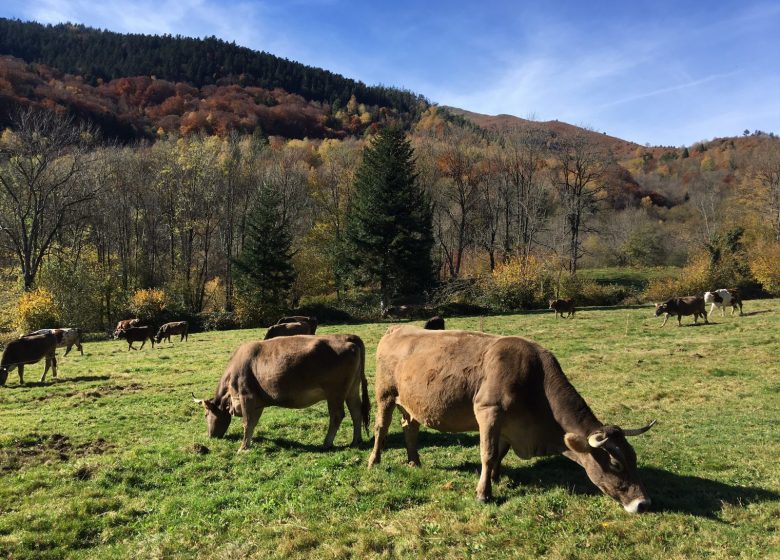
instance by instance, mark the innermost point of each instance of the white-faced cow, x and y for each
(724, 298)
(509, 389)
(688, 305)
(292, 372)
(125, 324)
(29, 350)
(66, 338)
(168, 330)
(311, 321)
(137, 334)
(288, 329)
(561, 306)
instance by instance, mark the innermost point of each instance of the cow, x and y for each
(312, 321)
(137, 334)
(288, 329)
(29, 350)
(292, 372)
(509, 389)
(561, 306)
(125, 324)
(66, 338)
(723, 298)
(434, 323)
(688, 305)
(171, 329)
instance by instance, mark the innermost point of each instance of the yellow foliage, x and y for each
(37, 310)
(148, 304)
(765, 266)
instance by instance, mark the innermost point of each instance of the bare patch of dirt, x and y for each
(37, 449)
(95, 393)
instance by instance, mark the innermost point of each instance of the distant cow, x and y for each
(137, 334)
(29, 350)
(510, 390)
(688, 305)
(312, 321)
(294, 372)
(171, 329)
(125, 324)
(723, 298)
(561, 306)
(66, 338)
(288, 329)
(434, 323)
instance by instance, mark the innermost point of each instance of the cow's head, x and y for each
(119, 333)
(610, 462)
(3, 375)
(217, 418)
(661, 308)
(552, 303)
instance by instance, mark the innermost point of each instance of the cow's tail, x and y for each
(365, 403)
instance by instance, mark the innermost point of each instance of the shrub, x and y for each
(765, 266)
(148, 304)
(218, 320)
(590, 292)
(518, 283)
(37, 310)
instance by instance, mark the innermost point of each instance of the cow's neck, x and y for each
(221, 397)
(569, 409)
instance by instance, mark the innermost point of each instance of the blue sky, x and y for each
(661, 72)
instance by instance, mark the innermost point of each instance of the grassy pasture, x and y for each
(110, 461)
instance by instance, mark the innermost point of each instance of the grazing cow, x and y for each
(171, 329)
(509, 389)
(125, 324)
(434, 324)
(137, 334)
(561, 306)
(723, 298)
(288, 329)
(688, 305)
(29, 349)
(312, 321)
(66, 338)
(292, 372)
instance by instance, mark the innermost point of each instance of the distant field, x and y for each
(634, 278)
(107, 461)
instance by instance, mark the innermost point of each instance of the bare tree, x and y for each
(41, 189)
(766, 172)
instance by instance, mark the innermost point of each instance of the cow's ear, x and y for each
(210, 405)
(577, 443)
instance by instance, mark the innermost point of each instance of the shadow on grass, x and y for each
(751, 313)
(58, 381)
(670, 492)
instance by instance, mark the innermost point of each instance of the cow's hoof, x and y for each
(413, 464)
(484, 499)
(242, 449)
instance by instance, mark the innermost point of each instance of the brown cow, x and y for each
(509, 389)
(137, 334)
(561, 306)
(688, 305)
(288, 329)
(66, 338)
(29, 350)
(171, 329)
(312, 321)
(434, 324)
(292, 372)
(125, 324)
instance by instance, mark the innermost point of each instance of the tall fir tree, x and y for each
(264, 270)
(389, 232)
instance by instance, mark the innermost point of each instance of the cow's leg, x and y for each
(704, 314)
(46, 369)
(384, 415)
(251, 412)
(67, 350)
(679, 320)
(21, 374)
(503, 449)
(54, 365)
(666, 318)
(353, 405)
(489, 435)
(130, 346)
(142, 344)
(336, 413)
(80, 347)
(411, 429)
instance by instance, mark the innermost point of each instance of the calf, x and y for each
(723, 298)
(66, 338)
(688, 305)
(125, 324)
(171, 329)
(137, 334)
(29, 350)
(434, 324)
(312, 321)
(288, 329)
(561, 306)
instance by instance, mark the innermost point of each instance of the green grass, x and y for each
(108, 462)
(635, 279)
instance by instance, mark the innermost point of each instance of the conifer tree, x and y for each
(264, 271)
(389, 232)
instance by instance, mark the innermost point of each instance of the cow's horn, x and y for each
(638, 431)
(195, 399)
(597, 440)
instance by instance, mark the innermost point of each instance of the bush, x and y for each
(765, 266)
(219, 321)
(520, 283)
(148, 305)
(589, 292)
(37, 310)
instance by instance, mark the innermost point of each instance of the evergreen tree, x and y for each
(389, 233)
(264, 271)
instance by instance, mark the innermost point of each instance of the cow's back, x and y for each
(28, 349)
